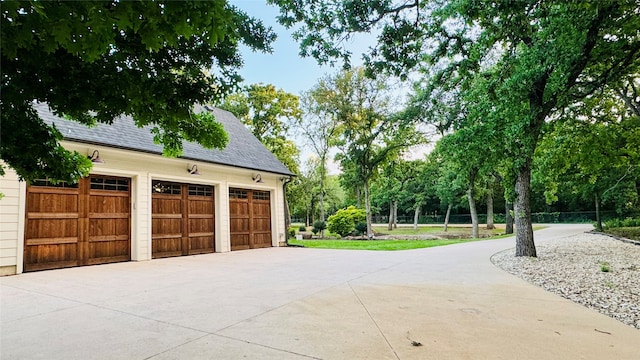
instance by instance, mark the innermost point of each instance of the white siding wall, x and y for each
(277, 221)
(10, 222)
(142, 169)
(223, 228)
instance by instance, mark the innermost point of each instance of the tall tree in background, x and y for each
(305, 193)
(268, 112)
(422, 187)
(94, 61)
(591, 161)
(405, 184)
(539, 57)
(320, 128)
(348, 179)
(302, 192)
(387, 189)
(469, 162)
(449, 187)
(372, 131)
(594, 153)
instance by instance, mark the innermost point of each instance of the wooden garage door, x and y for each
(250, 219)
(182, 219)
(77, 224)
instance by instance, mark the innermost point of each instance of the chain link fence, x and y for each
(540, 218)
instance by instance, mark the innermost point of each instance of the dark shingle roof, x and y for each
(243, 149)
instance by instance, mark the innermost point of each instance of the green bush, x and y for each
(618, 223)
(291, 233)
(319, 226)
(302, 228)
(361, 228)
(344, 221)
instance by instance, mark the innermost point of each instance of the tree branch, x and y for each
(395, 11)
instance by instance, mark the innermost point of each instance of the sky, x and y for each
(284, 68)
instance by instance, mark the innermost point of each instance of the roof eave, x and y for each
(70, 139)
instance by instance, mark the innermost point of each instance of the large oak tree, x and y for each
(92, 61)
(320, 128)
(539, 57)
(372, 129)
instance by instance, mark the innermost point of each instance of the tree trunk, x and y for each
(321, 205)
(390, 227)
(525, 246)
(321, 199)
(367, 206)
(508, 218)
(598, 219)
(490, 225)
(322, 171)
(395, 214)
(446, 217)
(416, 217)
(472, 207)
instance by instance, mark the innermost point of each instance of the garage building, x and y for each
(138, 205)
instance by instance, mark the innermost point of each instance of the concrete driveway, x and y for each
(294, 303)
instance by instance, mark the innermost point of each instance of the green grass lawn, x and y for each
(434, 229)
(389, 245)
(385, 245)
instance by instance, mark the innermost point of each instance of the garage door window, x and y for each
(260, 195)
(48, 183)
(238, 194)
(160, 187)
(199, 190)
(109, 184)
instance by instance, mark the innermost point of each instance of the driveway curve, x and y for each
(446, 302)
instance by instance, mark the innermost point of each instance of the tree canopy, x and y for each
(92, 61)
(373, 130)
(532, 59)
(594, 153)
(268, 112)
(320, 128)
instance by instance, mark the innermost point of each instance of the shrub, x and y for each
(302, 228)
(361, 228)
(319, 226)
(291, 233)
(617, 223)
(344, 221)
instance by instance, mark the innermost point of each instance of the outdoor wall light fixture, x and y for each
(257, 178)
(95, 157)
(193, 170)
